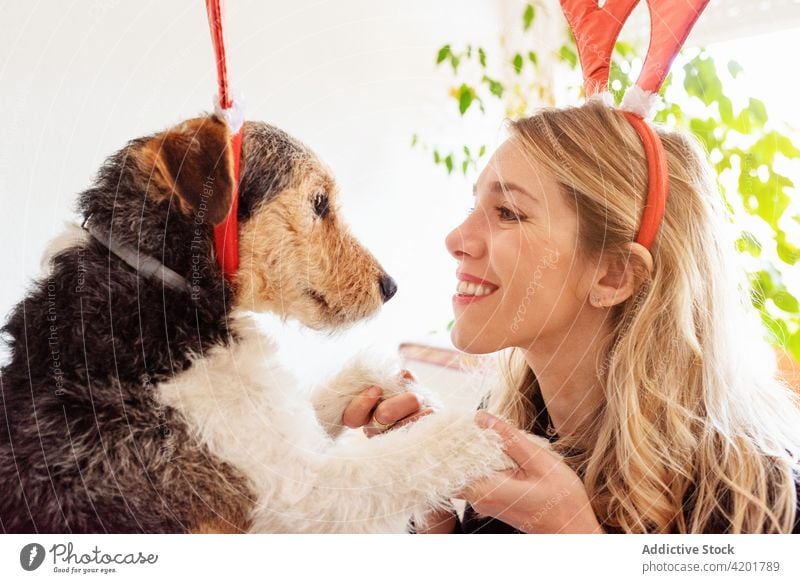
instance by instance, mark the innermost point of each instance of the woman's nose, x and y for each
(465, 239)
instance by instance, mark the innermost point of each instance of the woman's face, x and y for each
(520, 278)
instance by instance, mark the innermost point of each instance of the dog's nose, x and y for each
(388, 287)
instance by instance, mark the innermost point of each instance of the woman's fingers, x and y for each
(357, 412)
(413, 418)
(519, 448)
(368, 405)
(372, 430)
(395, 408)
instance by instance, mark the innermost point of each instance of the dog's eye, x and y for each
(321, 204)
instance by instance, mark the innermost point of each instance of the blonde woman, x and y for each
(647, 369)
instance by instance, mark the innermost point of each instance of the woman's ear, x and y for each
(194, 163)
(619, 275)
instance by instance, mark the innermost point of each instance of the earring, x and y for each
(595, 300)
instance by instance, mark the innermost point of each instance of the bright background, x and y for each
(352, 79)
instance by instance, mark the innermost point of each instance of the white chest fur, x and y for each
(248, 411)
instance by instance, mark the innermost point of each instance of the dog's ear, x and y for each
(193, 163)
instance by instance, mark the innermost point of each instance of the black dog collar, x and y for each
(146, 265)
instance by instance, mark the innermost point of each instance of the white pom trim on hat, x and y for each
(233, 116)
(642, 103)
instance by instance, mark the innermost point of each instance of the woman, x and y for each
(646, 368)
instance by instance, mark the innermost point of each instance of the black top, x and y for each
(472, 524)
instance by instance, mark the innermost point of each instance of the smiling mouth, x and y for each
(467, 289)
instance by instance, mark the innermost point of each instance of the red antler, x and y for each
(670, 23)
(214, 11)
(226, 234)
(596, 30)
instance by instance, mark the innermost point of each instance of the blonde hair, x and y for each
(693, 413)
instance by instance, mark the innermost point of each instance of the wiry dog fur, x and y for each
(131, 407)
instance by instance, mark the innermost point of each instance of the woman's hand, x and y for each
(377, 415)
(542, 495)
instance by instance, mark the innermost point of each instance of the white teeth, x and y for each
(473, 289)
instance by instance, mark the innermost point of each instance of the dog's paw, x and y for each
(397, 382)
(332, 399)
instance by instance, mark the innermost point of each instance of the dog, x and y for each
(140, 395)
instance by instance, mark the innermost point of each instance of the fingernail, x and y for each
(485, 420)
(374, 392)
(407, 375)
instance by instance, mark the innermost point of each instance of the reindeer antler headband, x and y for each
(226, 234)
(596, 29)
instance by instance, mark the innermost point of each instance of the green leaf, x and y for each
(786, 302)
(495, 87)
(667, 83)
(766, 200)
(734, 68)
(742, 123)
(724, 164)
(444, 52)
(465, 96)
(793, 345)
(701, 79)
(528, 16)
(625, 49)
(747, 243)
(517, 62)
(704, 129)
(726, 110)
(482, 151)
(763, 286)
(762, 151)
(567, 55)
(464, 166)
(784, 145)
(414, 140)
(787, 252)
(450, 325)
(533, 58)
(758, 111)
(448, 162)
(619, 79)
(482, 57)
(779, 329)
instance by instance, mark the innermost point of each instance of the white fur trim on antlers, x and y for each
(604, 97)
(642, 103)
(233, 116)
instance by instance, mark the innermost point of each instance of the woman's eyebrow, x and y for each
(504, 187)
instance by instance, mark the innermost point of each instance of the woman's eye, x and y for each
(321, 205)
(506, 214)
